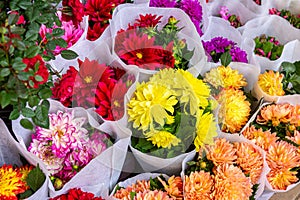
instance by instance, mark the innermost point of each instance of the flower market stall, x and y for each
(149, 99)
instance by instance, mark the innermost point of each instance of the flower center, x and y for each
(88, 79)
(60, 133)
(116, 103)
(139, 55)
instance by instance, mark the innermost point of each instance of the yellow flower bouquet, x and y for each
(171, 114)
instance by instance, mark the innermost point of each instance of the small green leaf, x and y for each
(15, 114)
(225, 59)
(12, 19)
(31, 35)
(33, 101)
(69, 54)
(17, 30)
(32, 51)
(19, 65)
(51, 45)
(27, 112)
(41, 116)
(45, 93)
(61, 42)
(38, 78)
(3, 63)
(4, 72)
(26, 194)
(5, 99)
(36, 178)
(23, 76)
(58, 32)
(26, 124)
(24, 4)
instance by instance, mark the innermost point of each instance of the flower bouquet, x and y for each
(169, 114)
(19, 180)
(231, 168)
(95, 85)
(76, 194)
(149, 186)
(293, 19)
(272, 84)
(73, 147)
(153, 40)
(275, 128)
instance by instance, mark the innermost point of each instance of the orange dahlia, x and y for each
(174, 188)
(261, 138)
(221, 152)
(152, 195)
(10, 182)
(281, 179)
(231, 183)
(283, 155)
(275, 113)
(198, 185)
(296, 116)
(250, 160)
(234, 110)
(139, 186)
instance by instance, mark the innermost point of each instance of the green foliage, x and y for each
(20, 39)
(268, 46)
(291, 80)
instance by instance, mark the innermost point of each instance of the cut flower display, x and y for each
(150, 186)
(233, 19)
(171, 114)
(293, 19)
(275, 129)
(223, 171)
(268, 46)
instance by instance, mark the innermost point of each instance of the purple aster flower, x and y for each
(238, 55)
(222, 44)
(163, 3)
(194, 11)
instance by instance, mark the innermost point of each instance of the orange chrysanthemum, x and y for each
(296, 139)
(234, 110)
(198, 185)
(152, 195)
(275, 113)
(283, 155)
(296, 116)
(139, 186)
(271, 83)
(174, 188)
(261, 138)
(221, 152)
(231, 183)
(281, 179)
(250, 160)
(10, 183)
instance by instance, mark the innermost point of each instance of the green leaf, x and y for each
(18, 65)
(51, 45)
(26, 124)
(45, 93)
(4, 72)
(23, 76)
(26, 194)
(33, 101)
(20, 45)
(12, 19)
(17, 30)
(61, 42)
(27, 112)
(24, 4)
(32, 51)
(5, 99)
(38, 78)
(3, 63)
(36, 178)
(69, 54)
(225, 59)
(58, 32)
(15, 114)
(31, 35)
(41, 116)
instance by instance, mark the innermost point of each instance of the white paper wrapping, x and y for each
(293, 100)
(127, 15)
(236, 138)
(9, 154)
(102, 172)
(277, 27)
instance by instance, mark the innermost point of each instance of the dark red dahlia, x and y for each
(147, 21)
(73, 10)
(76, 194)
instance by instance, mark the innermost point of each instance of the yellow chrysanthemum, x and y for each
(190, 91)
(283, 155)
(206, 129)
(221, 152)
(10, 182)
(276, 113)
(261, 138)
(198, 185)
(271, 83)
(250, 160)
(281, 179)
(174, 188)
(162, 139)
(150, 104)
(231, 183)
(234, 110)
(225, 77)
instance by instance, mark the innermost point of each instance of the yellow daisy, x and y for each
(225, 77)
(271, 83)
(234, 110)
(162, 139)
(150, 104)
